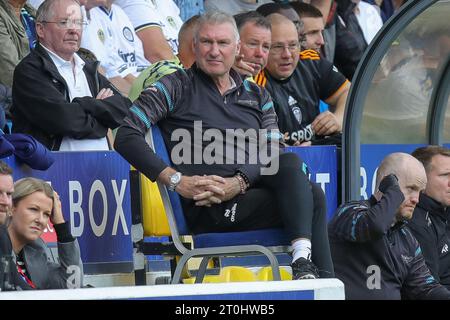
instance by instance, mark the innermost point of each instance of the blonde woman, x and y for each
(34, 204)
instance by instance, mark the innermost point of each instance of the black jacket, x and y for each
(10, 279)
(42, 107)
(376, 260)
(179, 99)
(297, 98)
(429, 226)
(350, 42)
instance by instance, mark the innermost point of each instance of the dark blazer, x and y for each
(44, 273)
(42, 107)
(50, 275)
(429, 225)
(375, 259)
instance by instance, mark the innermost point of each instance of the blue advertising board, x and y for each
(95, 196)
(95, 193)
(318, 289)
(322, 166)
(94, 189)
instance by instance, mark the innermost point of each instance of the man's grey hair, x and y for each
(46, 10)
(213, 18)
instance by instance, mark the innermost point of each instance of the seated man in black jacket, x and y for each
(374, 252)
(9, 277)
(429, 222)
(222, 189)
(6, 190)
(59, 98)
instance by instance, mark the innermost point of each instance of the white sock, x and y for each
(302, 248)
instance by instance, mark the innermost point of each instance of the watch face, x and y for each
(175, 178)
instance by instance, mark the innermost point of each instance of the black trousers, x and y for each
(286, 199)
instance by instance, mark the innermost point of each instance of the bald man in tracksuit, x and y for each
(374, 253)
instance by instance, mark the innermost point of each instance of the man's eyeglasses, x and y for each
(69, 24)
(279, 48)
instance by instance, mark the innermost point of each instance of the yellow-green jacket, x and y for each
(14, 42)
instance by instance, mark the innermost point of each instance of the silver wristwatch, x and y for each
(174, 180)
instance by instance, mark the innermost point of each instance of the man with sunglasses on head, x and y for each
(59, 98)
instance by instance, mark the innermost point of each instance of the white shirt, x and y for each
(78, 87)
(369, 20)
(111, 37)
(35, 3)
(163, 13)
(233, 7)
